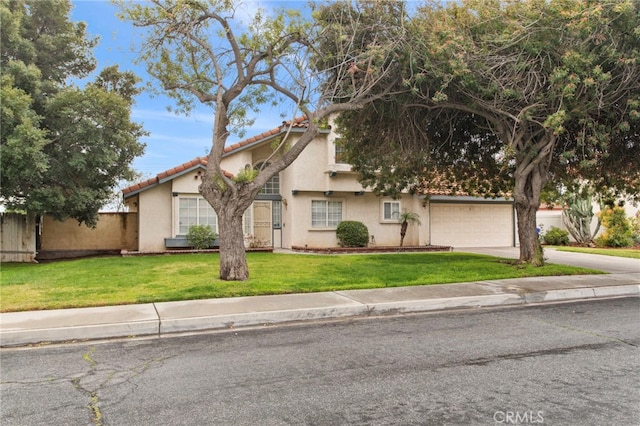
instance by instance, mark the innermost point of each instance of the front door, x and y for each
(262, 223)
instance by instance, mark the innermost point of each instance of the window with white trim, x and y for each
(273, 185)
(325, 214)
(390, 210)
(195, 211)
(247, 220)
(276, 214)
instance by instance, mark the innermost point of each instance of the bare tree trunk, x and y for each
(233, 261)
(229, 204)
(529, 180)
(530, 248)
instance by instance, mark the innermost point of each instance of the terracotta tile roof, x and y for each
(198, 161)
(299, 122)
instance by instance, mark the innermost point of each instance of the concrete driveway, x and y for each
(611, 264)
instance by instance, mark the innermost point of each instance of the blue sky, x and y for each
(172, 139)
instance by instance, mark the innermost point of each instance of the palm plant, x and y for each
(405, 218)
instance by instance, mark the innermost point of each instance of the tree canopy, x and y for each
(507, 96)
(63, 148)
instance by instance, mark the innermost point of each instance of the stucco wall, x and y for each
(365, 208)
(155, 217)
(114, 231)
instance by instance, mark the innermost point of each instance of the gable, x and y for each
(233, 159)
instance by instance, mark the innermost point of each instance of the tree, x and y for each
(405, 219)
(198, 52)
(521, 92)
(63, 148)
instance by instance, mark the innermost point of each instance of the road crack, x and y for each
(97, 379)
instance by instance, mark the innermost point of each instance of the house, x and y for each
(302, 206)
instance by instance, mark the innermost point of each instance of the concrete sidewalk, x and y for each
(160, 319)
(609, 264)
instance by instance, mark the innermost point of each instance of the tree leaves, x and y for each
(63, 148)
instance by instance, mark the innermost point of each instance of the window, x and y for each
(272, 186)
(325, 214)
(391, 210)
(247, 222)
(195, 211)
(339, 152)
(276, 214)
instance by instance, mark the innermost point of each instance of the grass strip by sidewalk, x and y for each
(618, 252)
(117, 280)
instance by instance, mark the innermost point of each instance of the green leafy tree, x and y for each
(199, 53)
(63, 148)
(505, 96)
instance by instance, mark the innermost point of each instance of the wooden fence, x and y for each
(17, 237)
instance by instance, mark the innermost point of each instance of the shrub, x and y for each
(556, 237)
(619, 230)
(201, 236)
(352, 233)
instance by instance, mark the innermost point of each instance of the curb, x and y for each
(156, 319)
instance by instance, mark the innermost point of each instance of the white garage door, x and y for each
(471, 225)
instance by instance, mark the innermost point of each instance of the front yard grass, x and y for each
(125, 280)
(631, 253)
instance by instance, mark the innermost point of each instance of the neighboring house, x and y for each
(302, 206)
(552, 217)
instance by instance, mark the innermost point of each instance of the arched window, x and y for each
(272, 186)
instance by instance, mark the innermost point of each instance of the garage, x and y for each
(471, 224)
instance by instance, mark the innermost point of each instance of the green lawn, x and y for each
(117, 280)
(632, 253)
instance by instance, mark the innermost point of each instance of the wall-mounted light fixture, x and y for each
(294, 192)
(332, 173)
(328, 193)
(175, 194)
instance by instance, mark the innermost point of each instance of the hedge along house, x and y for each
(302, 206)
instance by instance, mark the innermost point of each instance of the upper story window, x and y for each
(195, 211)
(272, 187)
(339, 151)
(325, 214)
(390, 210)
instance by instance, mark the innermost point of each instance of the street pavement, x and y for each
(167, 318)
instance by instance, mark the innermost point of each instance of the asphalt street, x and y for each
(558, 364)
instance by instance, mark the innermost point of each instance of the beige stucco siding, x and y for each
(155, 217)
(114, 231)
(307, 172)
(471, 225)
(236, 162)
(187, 183)
(298, 230)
